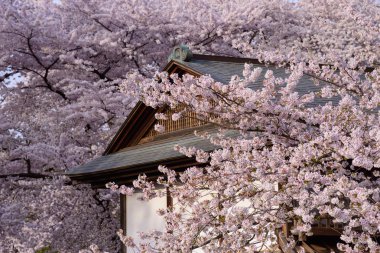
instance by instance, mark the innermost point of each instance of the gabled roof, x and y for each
(221, 69)
(125, 158)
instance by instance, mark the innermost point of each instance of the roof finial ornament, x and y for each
(181, 53)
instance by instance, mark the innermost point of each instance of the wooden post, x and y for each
(123, 219)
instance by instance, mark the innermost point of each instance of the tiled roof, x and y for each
(148, 153)
(222, 71)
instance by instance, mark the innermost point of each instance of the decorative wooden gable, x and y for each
(139, 126)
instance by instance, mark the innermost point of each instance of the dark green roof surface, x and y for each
(148, 153)
(223, 71)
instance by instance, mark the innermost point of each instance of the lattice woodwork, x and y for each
(188, 120)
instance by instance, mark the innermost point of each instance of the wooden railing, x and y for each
(323, 227)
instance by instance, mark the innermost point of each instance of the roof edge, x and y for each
(225, 59)
(172, 66)
(127, 135)
(126, 175)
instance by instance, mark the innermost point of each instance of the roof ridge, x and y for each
(207, 57)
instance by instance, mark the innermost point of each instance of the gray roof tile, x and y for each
(148, 153)
(223, 71)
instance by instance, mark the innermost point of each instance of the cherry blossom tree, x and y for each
(291, 162)
(63, 64)
(49, 215)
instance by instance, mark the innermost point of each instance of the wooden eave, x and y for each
(126, 175)
(174, 66)
(139, 121)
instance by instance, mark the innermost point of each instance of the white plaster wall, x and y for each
(142, 216)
